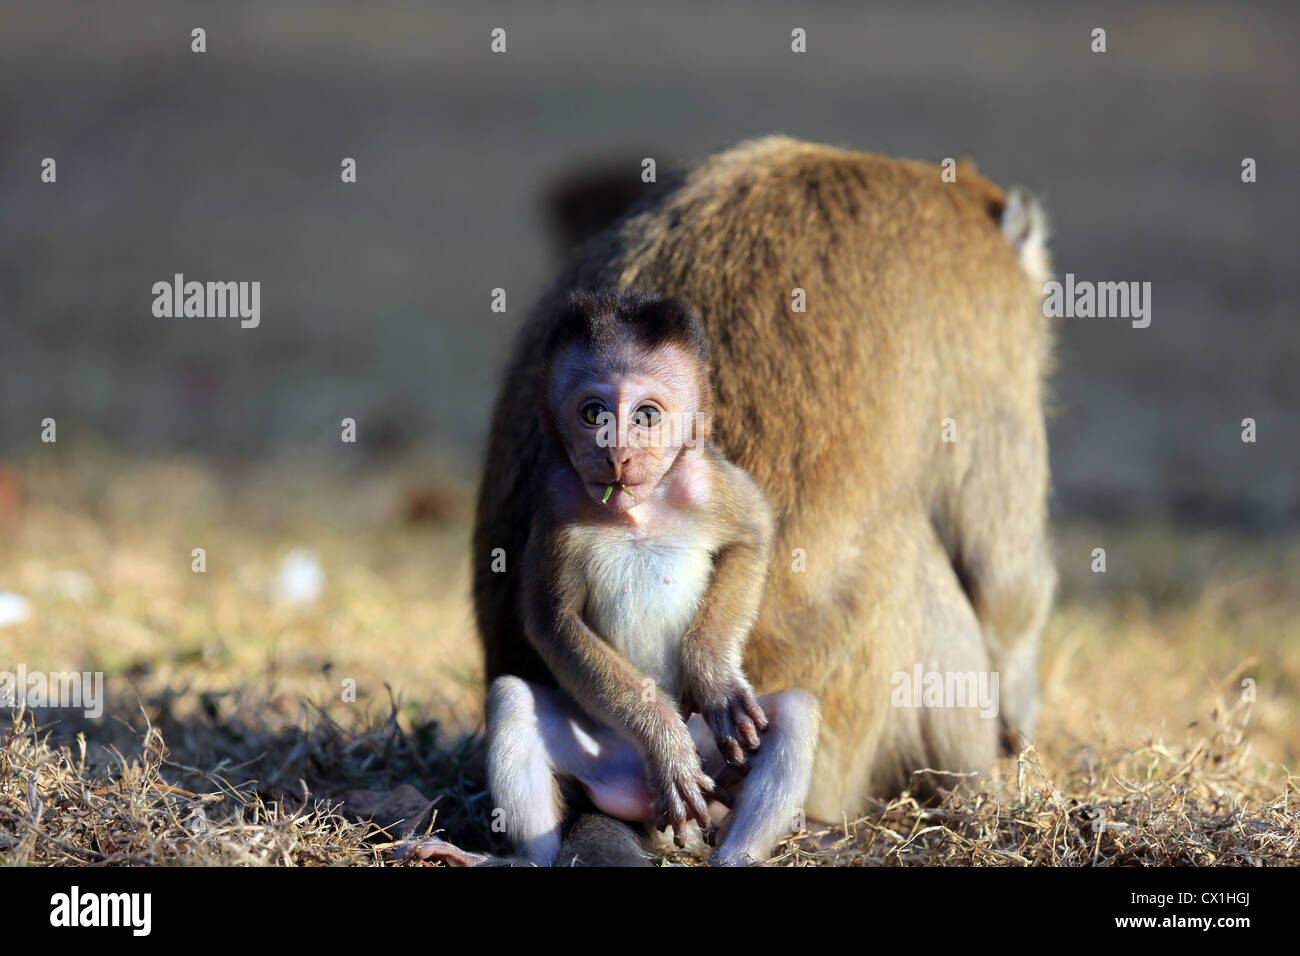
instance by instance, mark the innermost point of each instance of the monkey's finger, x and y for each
(704, 782)
(754, 710)
(731, 750)
(724, 735)
(666, 820)
(711, 835)
(746, 730)
(671, 810)
(696, 808)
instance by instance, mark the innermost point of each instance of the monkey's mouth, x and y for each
(621, 495)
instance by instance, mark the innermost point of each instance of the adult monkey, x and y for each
(895, 426)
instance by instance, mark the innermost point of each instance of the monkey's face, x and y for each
(624, 427)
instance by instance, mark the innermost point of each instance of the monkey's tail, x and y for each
(1024, 225)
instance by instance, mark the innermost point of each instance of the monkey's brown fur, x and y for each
(917, 551)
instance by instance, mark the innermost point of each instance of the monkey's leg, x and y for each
(521, 776)
(536, 735)
(959, 731)
(1003, 555)
(780, 772)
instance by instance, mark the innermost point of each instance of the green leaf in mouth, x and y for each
(609, 490)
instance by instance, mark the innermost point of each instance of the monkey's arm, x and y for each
(713, 680)
(609, 688)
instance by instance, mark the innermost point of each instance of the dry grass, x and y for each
(226, 739)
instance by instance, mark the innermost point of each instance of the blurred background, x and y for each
(327, 559)
(376, 295)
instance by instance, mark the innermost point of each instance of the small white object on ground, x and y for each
(300, 579)
(14, 608)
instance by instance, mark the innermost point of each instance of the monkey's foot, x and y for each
(428, 848)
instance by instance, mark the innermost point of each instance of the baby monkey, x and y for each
(643, 572)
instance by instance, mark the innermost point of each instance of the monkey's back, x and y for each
(913, 304)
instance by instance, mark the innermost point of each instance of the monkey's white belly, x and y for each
(644, 596)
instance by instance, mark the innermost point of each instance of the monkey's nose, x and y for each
(618, 461)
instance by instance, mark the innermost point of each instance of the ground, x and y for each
(227, 738)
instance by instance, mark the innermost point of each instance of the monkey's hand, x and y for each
(680, 786)
(729, 707)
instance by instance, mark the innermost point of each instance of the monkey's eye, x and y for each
(647, 416)
(592, 411)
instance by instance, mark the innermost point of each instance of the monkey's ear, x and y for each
(1024, 226)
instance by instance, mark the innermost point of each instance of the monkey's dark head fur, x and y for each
(607, 321)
